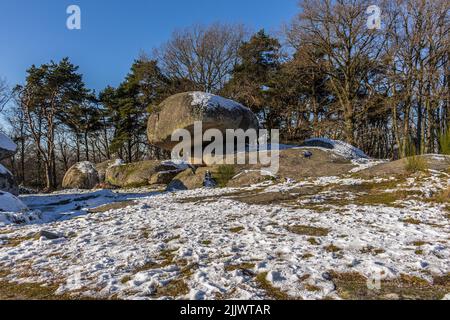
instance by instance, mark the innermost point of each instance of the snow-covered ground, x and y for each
(208, 244)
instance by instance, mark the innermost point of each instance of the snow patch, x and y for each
(86, 167)
(178, 164)
(210, 101)
(340, 147)
(6, 143)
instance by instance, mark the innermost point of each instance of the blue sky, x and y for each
(114, 32)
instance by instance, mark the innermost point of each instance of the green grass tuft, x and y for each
(224, 174)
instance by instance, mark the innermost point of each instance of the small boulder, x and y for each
(7, 181)
(163, 177)
(82, 175)
(102, 167)
(190, 180)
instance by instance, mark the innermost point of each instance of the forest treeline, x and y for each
(326, 74)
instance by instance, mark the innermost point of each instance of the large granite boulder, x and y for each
(7, 181)
(7, 147)
(82, 175)
(182, 110)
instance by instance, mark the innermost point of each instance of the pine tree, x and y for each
(259, 59)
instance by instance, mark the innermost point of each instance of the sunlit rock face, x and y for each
(183, 110)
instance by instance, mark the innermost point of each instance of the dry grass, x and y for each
(242, 266)
(237, 229)
(332, 248)
(443, 197)
(416, 164)
(271, 291)
(308, 231)
(224, 174)
(411, 221)
(353, 286)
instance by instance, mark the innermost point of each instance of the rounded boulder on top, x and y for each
(182, 110)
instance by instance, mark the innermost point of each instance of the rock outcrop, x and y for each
(182, 110)
(139, 174)
(7, 147)
(82, 175)
(104, 166)
(7, 181)
(340, 147)
(190, 179)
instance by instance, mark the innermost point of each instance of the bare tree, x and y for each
(5, 94)
(204, 55)
(338, 30)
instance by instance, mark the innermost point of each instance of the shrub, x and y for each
(414, 162)
(444, 196)
(444, 142)
(224, 174)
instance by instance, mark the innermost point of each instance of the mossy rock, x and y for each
(136, 174)
(164, 177)
(103, 166)
(132, 175)
(182, 110)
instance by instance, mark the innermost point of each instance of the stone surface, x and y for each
(163, 177)
(82, 175)
(190, 180)
(103, 166)
(7, 147)
(137, 174)
(7, 181)
(182, 110)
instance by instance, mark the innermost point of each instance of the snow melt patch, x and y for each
(86, 167)
(210, 101)
(6, 143)
(340, 147)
